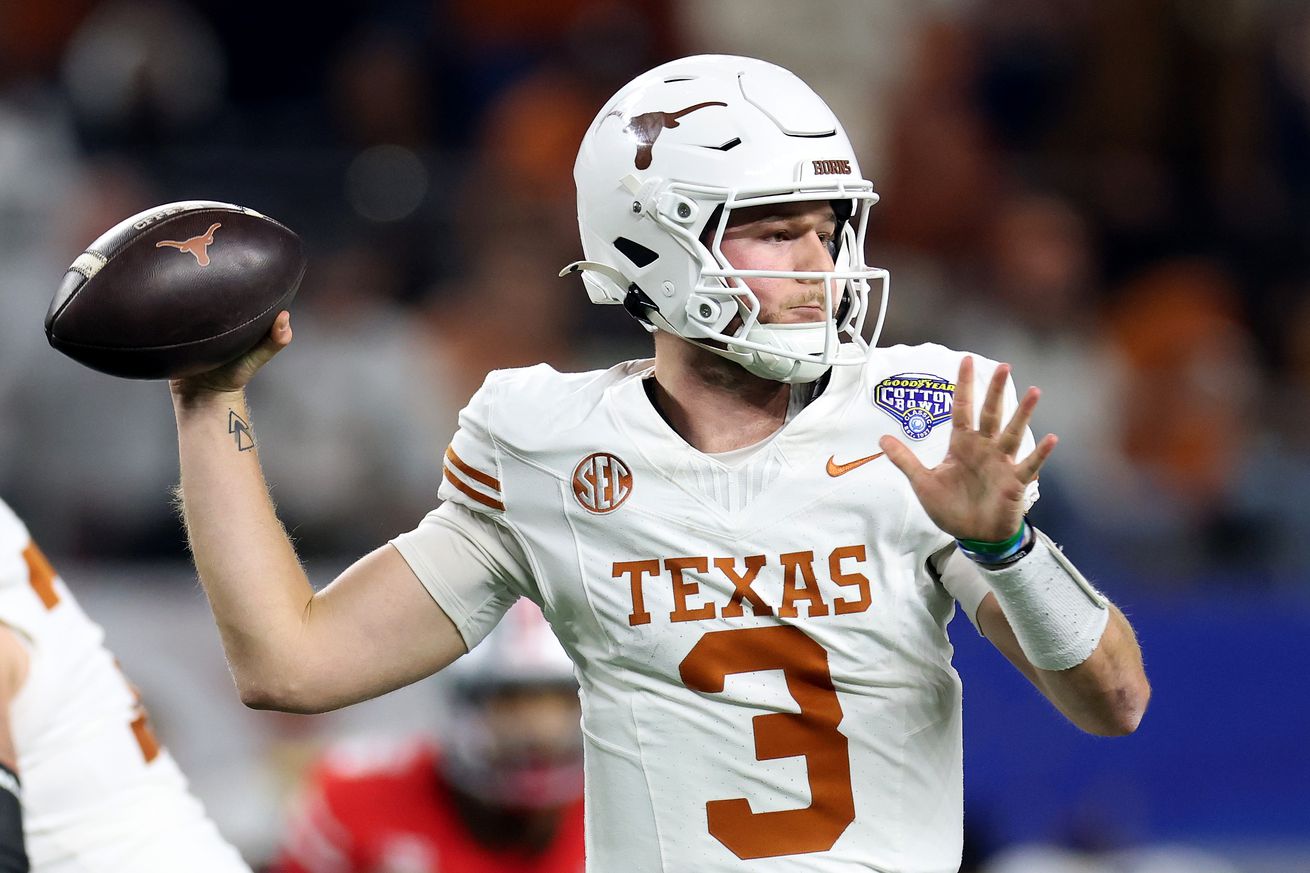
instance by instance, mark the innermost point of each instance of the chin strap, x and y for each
(806, 340)
(778, 368)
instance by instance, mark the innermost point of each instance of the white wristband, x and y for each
(1056, 614)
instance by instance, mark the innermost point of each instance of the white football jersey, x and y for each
(761, 646)
(99, 793)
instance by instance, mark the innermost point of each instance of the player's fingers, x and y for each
(279, 335)
(281, 330)
(277, 339)
(1030, 466)
(962, 407)
(904, 459)
(1012, 437)
(989, 420)
(237, 373)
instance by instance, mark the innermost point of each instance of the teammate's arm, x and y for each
(375, 628)
(13, 671)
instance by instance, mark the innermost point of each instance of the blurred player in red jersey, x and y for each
(503, 794)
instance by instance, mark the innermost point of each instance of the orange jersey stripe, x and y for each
(41, 575)
(476, 495)
(145, 737)
(474, 474)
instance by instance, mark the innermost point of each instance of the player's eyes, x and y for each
(785, 234)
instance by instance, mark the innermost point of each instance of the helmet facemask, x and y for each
(722, 314)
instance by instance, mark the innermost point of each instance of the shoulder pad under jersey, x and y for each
(518, 411)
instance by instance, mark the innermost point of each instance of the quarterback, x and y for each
(84, 785)
(749, 545)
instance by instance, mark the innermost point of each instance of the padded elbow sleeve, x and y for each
(1056, 614)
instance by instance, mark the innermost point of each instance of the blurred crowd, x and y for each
(1113, 196)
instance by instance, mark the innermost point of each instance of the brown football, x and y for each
(175, 290)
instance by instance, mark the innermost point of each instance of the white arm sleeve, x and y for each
(473, 567)
(962, 580)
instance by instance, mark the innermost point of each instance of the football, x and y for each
(176, 290)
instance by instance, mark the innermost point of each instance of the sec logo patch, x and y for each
(602, 482)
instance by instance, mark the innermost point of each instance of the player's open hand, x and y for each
(236, 374)
(977, 491)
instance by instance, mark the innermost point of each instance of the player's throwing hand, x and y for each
(977, 491)
(235, 375)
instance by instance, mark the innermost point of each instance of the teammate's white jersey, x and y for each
(762, 649)
(99, 793)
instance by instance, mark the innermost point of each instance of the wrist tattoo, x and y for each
(240, 429)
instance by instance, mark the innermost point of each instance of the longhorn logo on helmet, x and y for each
(647, 127)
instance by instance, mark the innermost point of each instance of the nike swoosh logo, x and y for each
(835, 469)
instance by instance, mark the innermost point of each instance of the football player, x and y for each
(750, 545)
(501, 794)
(84, 785)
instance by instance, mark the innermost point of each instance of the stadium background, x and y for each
(1114, 196)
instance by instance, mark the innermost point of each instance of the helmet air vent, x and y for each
(635, 252)
(727, 146)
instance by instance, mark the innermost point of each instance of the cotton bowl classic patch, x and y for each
(919, 401)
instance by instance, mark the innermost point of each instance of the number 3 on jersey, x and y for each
(811, 733)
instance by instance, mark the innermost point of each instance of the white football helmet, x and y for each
(668, 159)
